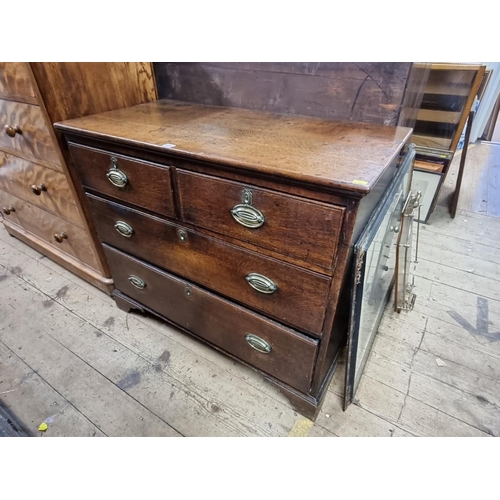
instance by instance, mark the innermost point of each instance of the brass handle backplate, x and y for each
(11, 131)
(137, 282)
(247, 216)
(261, 283)
(8, 210)
(124, 229)
(258, 343)
(38, 189)
(60, 237)
(115, 175)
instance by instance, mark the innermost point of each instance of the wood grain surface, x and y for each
(18, 175)
(219, 321)
(310, 150)
(15, 82)
(45, 226)
(74, 89)
(300, 300)
(293, 226)
(35, 142)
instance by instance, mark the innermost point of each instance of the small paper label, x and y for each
(168, 145)
(362, 183)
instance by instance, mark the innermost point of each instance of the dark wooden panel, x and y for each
(300, 299)
(148, 185)
(217, 320)
(368, 92)
(33, 141)
(327, 154)
(18, 176)
(290, 222)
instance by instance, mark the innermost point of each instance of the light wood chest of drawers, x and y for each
(38, 201)
(237, 226)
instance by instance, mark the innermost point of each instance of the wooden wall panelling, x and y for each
(363, 92)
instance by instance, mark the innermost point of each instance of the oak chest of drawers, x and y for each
(38, 201)
(237, 226)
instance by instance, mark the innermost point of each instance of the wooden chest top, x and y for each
(336, 155)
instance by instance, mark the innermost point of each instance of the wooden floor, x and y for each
(69, 357)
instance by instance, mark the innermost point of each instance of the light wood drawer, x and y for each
(73, 240)
(42, 186)
(15, 81)
(289, 225)
(146, 184)
(264, 344)
(294, 296)
(31, 137)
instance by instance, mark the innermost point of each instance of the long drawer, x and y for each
(286, 224)
(140, 183)
(264, 344)
(59, 233)
(23, 131)
(293, 295)
(42, 186)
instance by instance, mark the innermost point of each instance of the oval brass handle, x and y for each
(137, 282)
(11, 131)
(8, 210)
(38, 189)
(258, 343)
(248, 216)
(116, 176)
(124, 229)
(60, 237)
(261, 283)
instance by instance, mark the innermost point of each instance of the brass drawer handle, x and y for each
(8, 210)
(137, 282)
(247, 216)
(261, 283)
(124, 229)
(60, 237)
(115, 175)
(258, 344)
(11, 131)
(38, 189)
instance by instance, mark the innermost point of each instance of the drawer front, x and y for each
(8, 207)
(278, 351)
(57, 232)
(139, 183)
(39, 185)
(15, 80)
(299, 299)
(286, 224)
(29, 135)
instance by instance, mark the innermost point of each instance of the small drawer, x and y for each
(293, 295)
(42, 186)
(289, 225)
(260, 342)
(57, 232)
(15, 81)
(139, 183)
(23, 131)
